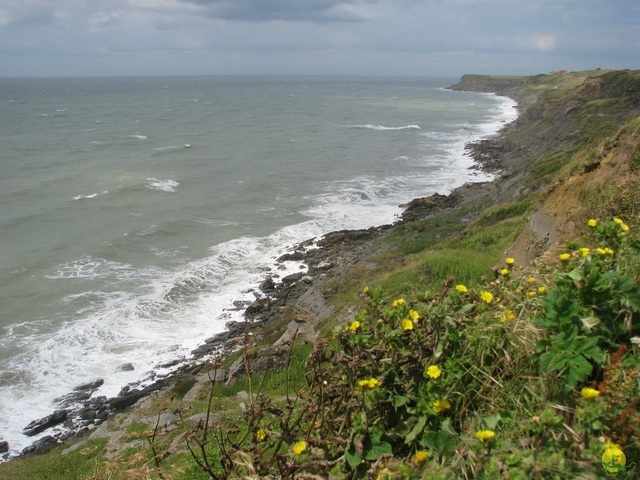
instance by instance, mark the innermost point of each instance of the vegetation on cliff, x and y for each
(495, 338)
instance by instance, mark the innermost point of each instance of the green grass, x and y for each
(83, 463)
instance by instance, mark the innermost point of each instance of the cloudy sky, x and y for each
(316, 37)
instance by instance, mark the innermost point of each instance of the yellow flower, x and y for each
(509, 313)
(613, 459)
(354, 326)
(420, 457)
(541, 290)
(600, 251)
(261, 435)
(486, 297)
(366, 290)
(618, 220)
(608, 251)
(407, 324)
(588, 393)
(399, 302)
(624, 227)
(414, 315)
(485, 435)
(584, 252)
(299, 447)
(531, 280)
(504, 272)
(531, 294)
(441, 405)
(368, 383)
(509, 261)
(461, 288)
(564, 257)
(433, 371)
(592, 222)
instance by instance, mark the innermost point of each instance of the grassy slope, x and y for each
(490, 375)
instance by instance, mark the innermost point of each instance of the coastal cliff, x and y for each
(571, 155)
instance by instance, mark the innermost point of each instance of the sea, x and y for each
(134, 212)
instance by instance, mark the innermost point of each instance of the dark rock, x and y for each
(4, 446)
(44, 423)
(125, 367)
(294, 277)
(268, 286)
(423, 207)
(86, 414)
(79, 394)
(90, 386)
(41, 446)
(295, 256)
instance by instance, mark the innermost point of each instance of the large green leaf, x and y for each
(375, 447)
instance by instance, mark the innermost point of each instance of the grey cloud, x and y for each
(285, 10)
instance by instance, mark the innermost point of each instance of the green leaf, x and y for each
(491, 421)
(577, 274)
(374, 447)
(442, 442)
(416, 430)
(400, 400)
(353, 459)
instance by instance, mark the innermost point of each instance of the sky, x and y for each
(445, 38)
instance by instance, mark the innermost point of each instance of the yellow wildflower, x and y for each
(564, 257)
(486, 297)
(407, 324)
(368, 383)
(366, 290)
(531, 294)
(420, 457)
(261, 435)
(461, 288)
(509, 261)
(504, 272)
(613, 459)
(299, 447)
(399, 302)
(600, 251)
(485, 435)
(608, 251)
(624, 227)
(584, 252)
(509, 313)
(433, 371)
(531, 280)
(414, 315)
(441, 405)
(618, 220)
(503, 319)
(592, 222)
(541, 290)
(354, 326)
(588, 393)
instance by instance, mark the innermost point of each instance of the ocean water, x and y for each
(135, 211)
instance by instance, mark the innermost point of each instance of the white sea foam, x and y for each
(167, 185)
(382, 127)
(139, 137)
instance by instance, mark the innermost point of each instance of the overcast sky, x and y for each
(316, 37)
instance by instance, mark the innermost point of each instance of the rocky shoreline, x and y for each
(300, 296)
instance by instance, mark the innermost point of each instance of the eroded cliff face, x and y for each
(563, 210)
